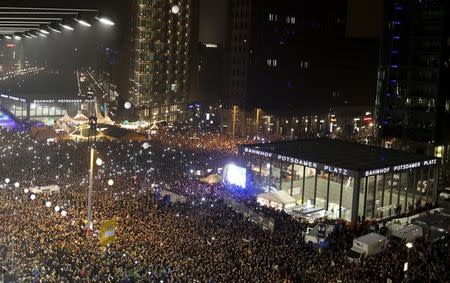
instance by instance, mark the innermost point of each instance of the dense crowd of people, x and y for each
(201, 240)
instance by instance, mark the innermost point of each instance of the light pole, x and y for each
(409, 246)
(91, 137)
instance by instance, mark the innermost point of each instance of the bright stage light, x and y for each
(16, 184)
(127, 105)
(54, 29)
(63, 213)
(57, 208)
(105, 21)
(83, 22)
(7, 180)
(48, 204)
(110, 182)
(67, 27)
(99, 162)
(33, 197)
(236, 175)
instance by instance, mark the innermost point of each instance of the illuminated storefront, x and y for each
(38, 109)
(345, 180)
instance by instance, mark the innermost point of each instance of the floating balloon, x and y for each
(175, 9)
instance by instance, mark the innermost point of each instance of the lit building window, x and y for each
(304, 64)
(439, 151)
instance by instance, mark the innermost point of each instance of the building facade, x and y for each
(161, 33)
(294, 57)
(337, 179)
(413, 88)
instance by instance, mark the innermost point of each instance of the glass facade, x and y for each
(376, 197)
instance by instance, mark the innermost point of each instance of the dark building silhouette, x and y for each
(208, 76)
(413, 97)
(290, 57)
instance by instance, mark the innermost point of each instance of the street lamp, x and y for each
(92, 136)
(409, 245)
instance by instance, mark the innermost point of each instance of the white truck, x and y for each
(409, 233)
(367, 245)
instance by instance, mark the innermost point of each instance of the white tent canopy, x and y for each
(80, 118)
(66, 119)
(212, 179)
(278, 199)
(45, 189)
(106, 120)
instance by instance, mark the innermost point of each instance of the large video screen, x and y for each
(236, 175)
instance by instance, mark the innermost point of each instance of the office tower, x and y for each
(161, 33)
(208, 83)
(413, 101)
(294, 57)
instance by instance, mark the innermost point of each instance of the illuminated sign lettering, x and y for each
(336, 170)
(407, 166)
(258, 152)
(430, 162)
(377, 171)
(297, 161)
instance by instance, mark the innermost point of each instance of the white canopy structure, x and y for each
(212, 179)
(106, 120)
(81, 119)
(45, 189)
(66, 119)
(278, 199)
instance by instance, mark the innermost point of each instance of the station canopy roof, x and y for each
(332, 154)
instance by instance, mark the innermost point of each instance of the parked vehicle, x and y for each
(445, 194)
(367, 245)
(409, 233)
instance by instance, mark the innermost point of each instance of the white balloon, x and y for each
(110, 182)
(7, 180)
(127, 105)
(26, 191)
(175, 9)
(16, 184)
(145, 145)
(57, 208)
(63, 213)
(33, 197)
(99, 162)
(48, 204)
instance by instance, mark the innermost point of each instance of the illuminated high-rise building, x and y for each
(161, 33)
